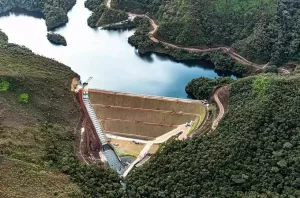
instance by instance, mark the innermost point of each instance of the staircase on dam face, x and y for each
(111, 157)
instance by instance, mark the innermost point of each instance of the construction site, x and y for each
(124, 130)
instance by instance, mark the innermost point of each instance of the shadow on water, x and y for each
(201, 63)
(118, 31)
(62, 26)
(23, 12)
(204, 64)
(145, 57)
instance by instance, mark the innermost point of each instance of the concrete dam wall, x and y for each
(142, 116)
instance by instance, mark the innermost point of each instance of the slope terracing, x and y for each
(141, 116)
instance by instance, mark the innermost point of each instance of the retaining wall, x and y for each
(141, 116)
(145, 102)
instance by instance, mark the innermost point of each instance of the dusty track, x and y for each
(230, 51)
(220, 106)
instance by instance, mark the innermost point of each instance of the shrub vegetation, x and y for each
(54, 11)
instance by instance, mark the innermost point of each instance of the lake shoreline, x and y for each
(105, 55)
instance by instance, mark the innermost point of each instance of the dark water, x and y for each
(104, 55)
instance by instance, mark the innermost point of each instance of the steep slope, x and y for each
(253, 153)
(38, 117)
(33, 91)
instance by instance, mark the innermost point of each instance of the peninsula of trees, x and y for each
(260, 30)
(54, 11)
(102, 15)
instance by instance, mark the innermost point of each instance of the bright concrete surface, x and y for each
(184, 135)
(158, 140)
(125, 138)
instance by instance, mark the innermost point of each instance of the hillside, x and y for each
(38, 117)
(55, 12)
(259, 30)
(28, 105)
(253, 153)
(102, 15)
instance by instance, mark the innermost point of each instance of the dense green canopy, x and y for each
(253, 153)
(102, 15)
(55, 11)
(261, 30)
(56, 39)
(202, 88)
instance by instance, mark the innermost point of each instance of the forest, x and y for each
(253, 153)
(102, 15)
(202, 88)
(260, 30)
(54, 11)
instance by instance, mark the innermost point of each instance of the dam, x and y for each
(142, 116)
(123, 130)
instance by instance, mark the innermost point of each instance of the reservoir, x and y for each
(104, 55)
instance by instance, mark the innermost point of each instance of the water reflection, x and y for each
(146, 57)
(105, 55)
(22, 12)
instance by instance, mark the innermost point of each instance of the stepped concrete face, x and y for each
(142, 116)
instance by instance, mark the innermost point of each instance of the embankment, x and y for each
(142, 116)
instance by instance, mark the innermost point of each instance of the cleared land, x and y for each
(126, 147)
(142, 117)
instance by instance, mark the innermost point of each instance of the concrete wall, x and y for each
(137, 101)
(143, 116)
(139, 116)
(138, 129)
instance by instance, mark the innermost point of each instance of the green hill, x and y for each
(260, 30)
(38, 117)
(32, 91)
(253, 153)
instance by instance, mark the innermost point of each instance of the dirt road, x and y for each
(228, 50)
(158, 140)
(220, 106)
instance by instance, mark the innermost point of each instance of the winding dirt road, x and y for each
(220, 106)
(230, 51)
